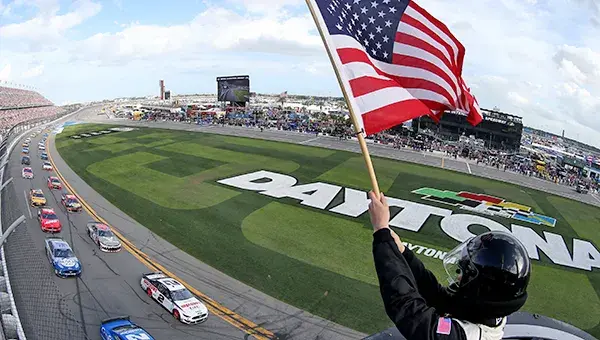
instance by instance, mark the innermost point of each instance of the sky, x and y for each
(534, 58)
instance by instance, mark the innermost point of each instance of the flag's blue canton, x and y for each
(373, 23)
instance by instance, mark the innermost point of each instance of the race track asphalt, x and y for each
(109, 285)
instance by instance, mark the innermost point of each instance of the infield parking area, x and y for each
(314, 253)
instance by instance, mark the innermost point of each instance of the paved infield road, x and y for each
(109, 285)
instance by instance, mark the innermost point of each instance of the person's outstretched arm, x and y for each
(403, 303)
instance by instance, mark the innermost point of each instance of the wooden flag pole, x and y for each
(359, 132)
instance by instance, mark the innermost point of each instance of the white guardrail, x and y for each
(11, 323)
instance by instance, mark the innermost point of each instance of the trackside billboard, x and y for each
(413, 215)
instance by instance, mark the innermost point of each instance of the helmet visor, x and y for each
(457, 263)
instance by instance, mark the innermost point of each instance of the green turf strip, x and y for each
(129, 171)
(585, 219)
(106, 140)
(310, 258)
(285, 147)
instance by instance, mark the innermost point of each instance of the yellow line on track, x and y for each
(443, 162)
(215, 308)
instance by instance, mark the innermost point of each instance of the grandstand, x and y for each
(498, 130)
(18, 106)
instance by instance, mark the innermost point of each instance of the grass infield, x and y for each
(316, 260)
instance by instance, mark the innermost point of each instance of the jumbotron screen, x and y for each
(233, 89)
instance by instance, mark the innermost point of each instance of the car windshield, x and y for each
(55, 181)
(124, 328)
(63, 253)
(71, 200)
(27, 170)
(38, 195)
(105, 233)
(182, 294)
(49, 216)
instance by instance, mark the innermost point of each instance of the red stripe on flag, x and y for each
(411, 40)
(349, 55)
(363, 85)
(391, 115)
(405, 60)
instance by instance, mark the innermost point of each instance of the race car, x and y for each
(47, 166)
(25, 160)
(174, 297)
(70, 202)
(25, 144)
(61, 256)
(28, 140)
(121, 328)
(27, 173)
(53, 183)
(48, 220)
(101, 234)
(25, 151)
(41, 147)
(37, 198)
(44, 156)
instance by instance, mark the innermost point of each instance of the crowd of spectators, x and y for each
(19, 98)
(19, 106)
(340, 127)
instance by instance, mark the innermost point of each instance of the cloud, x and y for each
(47, 28)
(222, 30)
(33, 72)
(5, 72)
(517, 99)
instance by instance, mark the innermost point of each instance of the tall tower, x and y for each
(161, 84)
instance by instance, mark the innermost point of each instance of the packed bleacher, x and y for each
(19, 106)
(19, 98)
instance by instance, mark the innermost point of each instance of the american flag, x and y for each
(396, 61)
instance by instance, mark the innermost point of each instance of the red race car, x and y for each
(70, 202)
(48, 220)
(54, 183)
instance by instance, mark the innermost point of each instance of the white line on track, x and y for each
(468, 167)
(310, 140)
(595, 197)
(27, 204)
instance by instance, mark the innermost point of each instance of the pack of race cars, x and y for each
(168, 292)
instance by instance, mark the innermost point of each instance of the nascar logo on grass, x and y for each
(413, 215)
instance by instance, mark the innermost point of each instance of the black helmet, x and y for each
(493, 266)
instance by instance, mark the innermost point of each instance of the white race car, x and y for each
(27, 173)
(47, 166)
(172, 295)
(41, 147)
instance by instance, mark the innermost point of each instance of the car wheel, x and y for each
(176, 314)
(149, 292)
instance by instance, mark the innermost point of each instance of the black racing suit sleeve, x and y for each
(403, 303)
(435, 294)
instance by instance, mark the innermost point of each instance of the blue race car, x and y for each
(44, 156)
(62, 258)
(121, 328)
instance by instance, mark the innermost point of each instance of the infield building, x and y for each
(498, 130)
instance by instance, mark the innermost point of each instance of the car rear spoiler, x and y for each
(156, 274)
(125, 317)
(54, 238)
